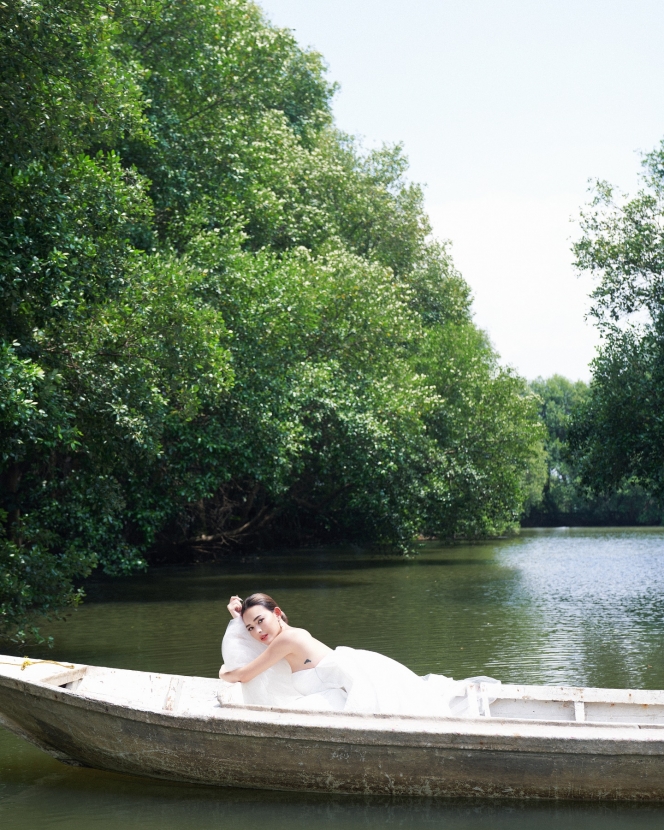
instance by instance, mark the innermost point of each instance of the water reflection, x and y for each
(575, 606)
(599, 600)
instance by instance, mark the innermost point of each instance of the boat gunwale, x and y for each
(581, 694)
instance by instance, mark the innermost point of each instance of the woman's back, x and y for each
(305, 651)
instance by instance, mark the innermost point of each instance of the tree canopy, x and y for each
(618, 435)
(566, 498)
(222, 322)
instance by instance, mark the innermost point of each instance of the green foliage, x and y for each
(486, 433)
(565, 499)
(618, 436)
(63, 85)
(221, 321)
(562, 501)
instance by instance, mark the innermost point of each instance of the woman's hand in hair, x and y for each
(234, 607)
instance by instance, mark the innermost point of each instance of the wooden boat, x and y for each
(531, 741)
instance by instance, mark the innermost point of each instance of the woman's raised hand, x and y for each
(234, 607)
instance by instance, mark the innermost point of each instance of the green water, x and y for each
(556, 606)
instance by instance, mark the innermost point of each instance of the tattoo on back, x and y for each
(307, 661)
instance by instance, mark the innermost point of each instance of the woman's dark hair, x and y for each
(264, 600)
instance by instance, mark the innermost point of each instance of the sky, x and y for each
(507, 109)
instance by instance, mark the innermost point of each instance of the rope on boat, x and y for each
(28, 662)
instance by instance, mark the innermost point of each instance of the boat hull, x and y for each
(323, 752)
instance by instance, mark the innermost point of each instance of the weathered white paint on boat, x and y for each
(533, 741)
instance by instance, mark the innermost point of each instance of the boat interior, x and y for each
(187, 696)
(197, 696)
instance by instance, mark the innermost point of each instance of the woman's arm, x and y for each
(277, 650)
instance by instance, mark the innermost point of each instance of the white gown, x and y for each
(346, 680)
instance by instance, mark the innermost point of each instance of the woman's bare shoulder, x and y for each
(296, 635)
(296, 632)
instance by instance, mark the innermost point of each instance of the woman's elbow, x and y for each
(243, 675)
(240, 675)
(234, 676)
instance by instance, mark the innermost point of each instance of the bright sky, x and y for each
(506, 108)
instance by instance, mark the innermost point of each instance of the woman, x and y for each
(265, 654)
(268, 624)
(280, 665)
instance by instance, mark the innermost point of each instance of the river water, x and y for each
(578, 606)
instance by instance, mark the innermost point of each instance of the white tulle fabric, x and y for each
(274, 687)
(347, 680)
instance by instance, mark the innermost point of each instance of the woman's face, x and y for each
(263, 625)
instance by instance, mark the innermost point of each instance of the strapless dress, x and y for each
(355, 680)
(345, 680)
(320, 689)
